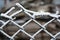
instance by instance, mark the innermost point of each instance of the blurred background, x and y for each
(32, 27)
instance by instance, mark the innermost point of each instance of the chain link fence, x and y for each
(11, 18)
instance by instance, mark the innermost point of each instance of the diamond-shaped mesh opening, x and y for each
(32, 27)
(43, 19)
(3, 20)
(21, 36)
(21, 18)
(42, 36)
(10, 28)
(53, 27)
(3, 37)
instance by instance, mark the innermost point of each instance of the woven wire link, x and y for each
(43, 27)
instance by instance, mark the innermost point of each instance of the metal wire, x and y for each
(43, 27)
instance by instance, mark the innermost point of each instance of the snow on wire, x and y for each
(32, 37)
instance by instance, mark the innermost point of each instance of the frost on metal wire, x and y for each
(32, 18)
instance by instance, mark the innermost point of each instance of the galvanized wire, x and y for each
(43, 27)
